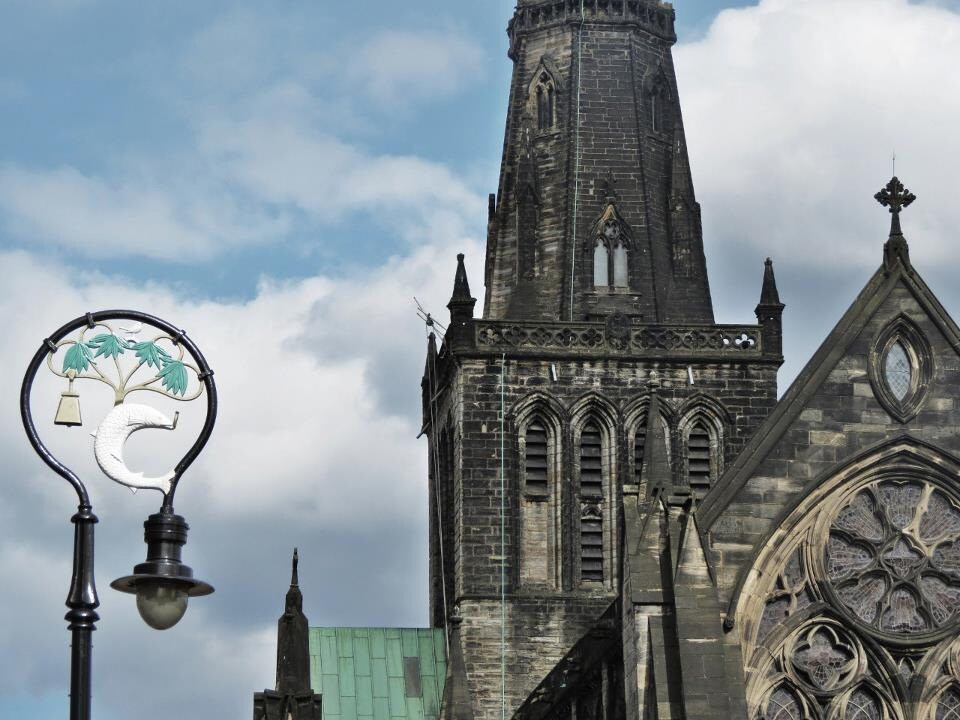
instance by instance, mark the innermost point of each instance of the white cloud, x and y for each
(179, 219)
(398, 67)
(793, 110)
(313, 446)
(286, 163)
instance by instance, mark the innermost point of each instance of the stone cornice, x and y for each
(654, 17)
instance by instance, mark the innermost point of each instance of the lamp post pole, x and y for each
(162, 583)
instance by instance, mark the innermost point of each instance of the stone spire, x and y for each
(770, 312)
(293, 632)
(461, 306)
(293, 698)
(896, 197)
(589, 79)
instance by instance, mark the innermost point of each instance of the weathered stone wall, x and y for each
(544, 622)
(840, 419)
(613, 151)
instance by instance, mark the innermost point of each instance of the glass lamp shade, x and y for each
(161, 603)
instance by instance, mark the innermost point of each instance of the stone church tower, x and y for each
(625, 523)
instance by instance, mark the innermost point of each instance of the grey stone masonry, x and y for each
(509, 561)
(595, 152)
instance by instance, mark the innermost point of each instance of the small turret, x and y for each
(770, 312)
(461, 307)
(293, 698)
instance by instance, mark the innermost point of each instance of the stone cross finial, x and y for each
(896, 197)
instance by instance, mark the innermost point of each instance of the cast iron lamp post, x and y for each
(94, 347)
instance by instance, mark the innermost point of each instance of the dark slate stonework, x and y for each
(625, 523)
(556, 182)
(840, 418)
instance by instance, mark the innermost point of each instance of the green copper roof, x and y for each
(378, 673)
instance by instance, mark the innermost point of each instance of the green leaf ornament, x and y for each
(108, 345)
(77, 358)
(152, 354)
(174, 376)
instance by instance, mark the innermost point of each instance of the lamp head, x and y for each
(163, 584)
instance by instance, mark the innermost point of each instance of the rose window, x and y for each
(893, 557)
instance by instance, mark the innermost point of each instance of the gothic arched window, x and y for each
(539, 501)
(546, 115)
(658, 99)
(901, 367)
(621, 278)
(611, 264)
(601, 270)
(592, 503)
(866, 565)
(702, 442)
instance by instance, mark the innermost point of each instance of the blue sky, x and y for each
(281, 181)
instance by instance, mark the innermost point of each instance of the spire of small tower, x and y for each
(768, 293)
(461, 297)
(293, 650)
(461, 307)
(896, 197)
(770, 312)
(293, 698)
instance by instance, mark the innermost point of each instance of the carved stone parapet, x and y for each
(654, 17)
(725, 342)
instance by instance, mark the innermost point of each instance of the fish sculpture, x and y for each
(112, 433)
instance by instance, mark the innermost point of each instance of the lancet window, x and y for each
(702, 436)
(545, 93)
(658, 99)
(611, 268)
(592, 504)
(539, 501)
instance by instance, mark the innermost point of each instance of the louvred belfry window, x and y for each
(639, 444)
(591, 504)
(699, 458)
(536, 459)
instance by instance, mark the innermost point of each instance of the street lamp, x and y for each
(148, 355)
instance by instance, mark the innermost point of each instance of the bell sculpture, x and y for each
(68, 411)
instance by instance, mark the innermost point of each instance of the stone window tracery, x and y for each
(897, 370)
(892, 557)
(608, 251)
(784, 704)
(901, 368)
(948, 706)
(856, 612)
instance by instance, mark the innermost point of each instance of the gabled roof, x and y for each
(815, 373)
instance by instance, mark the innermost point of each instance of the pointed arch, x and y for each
(539, 421)
(610, 250)
(544, 95)
(901, 368)
(701, 437)
(838, 555)
(658, 94)
(594, 423)
(635, 428)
